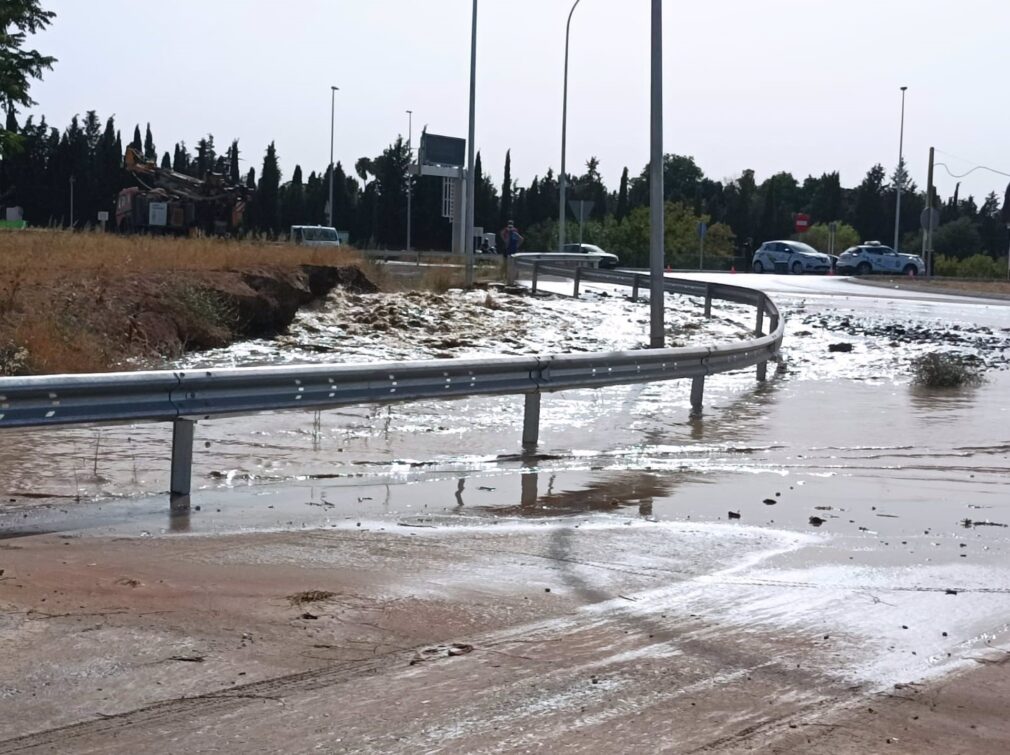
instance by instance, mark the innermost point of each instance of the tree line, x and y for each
(371, 202)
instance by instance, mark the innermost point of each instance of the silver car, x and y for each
(874, 257)
(606, 259)
(789, 257)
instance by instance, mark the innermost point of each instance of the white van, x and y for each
(314, 235)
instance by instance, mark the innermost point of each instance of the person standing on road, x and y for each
(510, 236)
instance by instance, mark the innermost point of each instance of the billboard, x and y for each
(442, 150)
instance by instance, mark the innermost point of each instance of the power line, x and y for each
(977, 167)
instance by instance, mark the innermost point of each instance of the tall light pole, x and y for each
(901, 172)
(329, 211)
(562, 179)
(410, 176)
(657, 337)
(468, 211)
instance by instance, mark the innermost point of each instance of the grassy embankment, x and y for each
(90, 302)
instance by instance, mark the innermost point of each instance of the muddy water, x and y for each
(836, 499)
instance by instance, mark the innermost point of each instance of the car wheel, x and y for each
(797, 268)
(863, 268)
(758, 267)
(910, 270)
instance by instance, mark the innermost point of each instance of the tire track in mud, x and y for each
(93, 733)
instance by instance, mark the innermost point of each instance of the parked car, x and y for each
(789, 257)
(607, 259)
(874, 257)
(314, 235)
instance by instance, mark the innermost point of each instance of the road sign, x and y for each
(581, 208)
(441, 150)
(833, 226)
(702, 229)
(802, 222)
(929, 219)
(103, 215)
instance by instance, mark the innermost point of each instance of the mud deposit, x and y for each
(806, 568)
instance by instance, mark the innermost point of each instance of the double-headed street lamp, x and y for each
(564, 136)
(329, 210)
(900, 173)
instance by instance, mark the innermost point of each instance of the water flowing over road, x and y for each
(836, 500)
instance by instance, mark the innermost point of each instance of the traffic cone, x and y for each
(732, 268)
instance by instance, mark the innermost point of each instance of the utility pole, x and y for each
(901, 173)
(657, 337)
(563, 179)
(410, 175)
(468, 211)
(329, 212)
(930, 195)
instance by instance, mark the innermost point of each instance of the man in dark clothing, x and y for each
(511, 238)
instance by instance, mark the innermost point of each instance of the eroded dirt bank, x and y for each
(96, 321)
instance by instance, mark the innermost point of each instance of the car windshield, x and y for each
(319, 234)
(804, 248)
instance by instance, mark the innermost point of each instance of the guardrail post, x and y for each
(577, 278)
(533, 283)
(511, 271)
(708, 300)
(697, 395)
(182, 456)
(634, 288)
(531, 421)
(759, 325)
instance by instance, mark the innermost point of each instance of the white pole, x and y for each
(329, 210)
(410, 176)
(897, 199)
(468, 216)
(562, 179)
(656, 335)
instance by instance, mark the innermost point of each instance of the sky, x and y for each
(805, 86)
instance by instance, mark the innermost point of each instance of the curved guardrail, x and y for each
(185, 396)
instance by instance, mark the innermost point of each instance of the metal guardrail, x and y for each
(186, 396)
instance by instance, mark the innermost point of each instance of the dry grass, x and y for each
(38, 255)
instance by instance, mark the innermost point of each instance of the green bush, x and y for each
(945, 370)
(979, 266)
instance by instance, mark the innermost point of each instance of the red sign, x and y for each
(802, 222)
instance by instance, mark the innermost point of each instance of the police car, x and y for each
(789, 257)
(874, 257)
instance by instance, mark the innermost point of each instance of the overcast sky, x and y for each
(805, 86)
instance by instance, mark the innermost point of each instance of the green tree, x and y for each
(870, 216)
(819, 237)
(19, 66)
(958, 239)
(266, 201)
(150, 153)
(506, 192)
(293, 200)
(622, 197)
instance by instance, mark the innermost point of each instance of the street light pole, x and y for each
(657, 338)
(468, 211)
(562, 179)
(901, 173)
(410, 176)
(329, 212)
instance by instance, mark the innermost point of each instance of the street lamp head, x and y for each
(903, 89)
(335, 89)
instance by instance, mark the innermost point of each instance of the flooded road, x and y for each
(836, 516)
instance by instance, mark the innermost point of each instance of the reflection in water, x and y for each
(179, 513)
(941, 405)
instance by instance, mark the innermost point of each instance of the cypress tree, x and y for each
(622, 197)
(268, 193)
(166, 161)
(506, 191)
(137, 144)
(150, 153)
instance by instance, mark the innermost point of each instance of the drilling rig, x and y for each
(173, 203)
